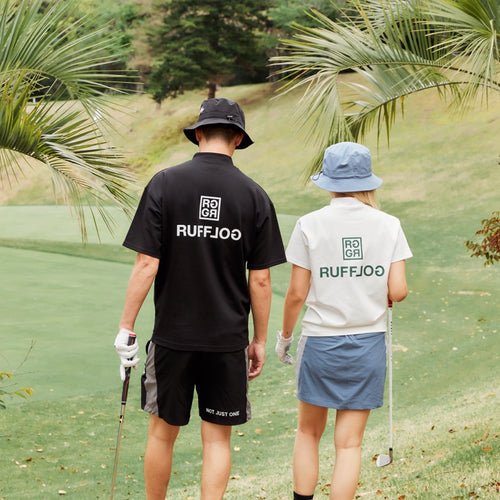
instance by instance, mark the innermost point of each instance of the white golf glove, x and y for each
(127, 351)
(282, 347)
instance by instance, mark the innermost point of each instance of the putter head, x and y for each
(383, 460)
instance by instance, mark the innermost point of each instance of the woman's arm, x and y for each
(296, 295)
(397, 287)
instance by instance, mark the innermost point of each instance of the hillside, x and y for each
(430, 149)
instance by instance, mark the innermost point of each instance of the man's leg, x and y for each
(216, 440)
(158, 457)
(312, 422)
(349, 429)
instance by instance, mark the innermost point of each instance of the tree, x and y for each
(8, 388)
(398, 48)
(287, 13)
(117, 20)
(22, 392)
(205, 44)
(43, 60)
(489, 247)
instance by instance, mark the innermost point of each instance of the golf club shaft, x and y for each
(131, 340)
(382, 459)
(389, 348)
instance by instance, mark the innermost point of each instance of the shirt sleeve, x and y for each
(297, 251)
(145, 233)
(401, 250)
(268, 250)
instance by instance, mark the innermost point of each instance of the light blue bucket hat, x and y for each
(347, 168)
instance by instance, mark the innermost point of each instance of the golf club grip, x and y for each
(131, 340)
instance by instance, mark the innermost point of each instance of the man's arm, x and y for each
(141, 279)
(259, 285)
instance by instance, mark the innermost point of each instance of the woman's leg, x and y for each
(312, 422)
(349, 429)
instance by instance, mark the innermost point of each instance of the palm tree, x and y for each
(54, 105)
(397, 48)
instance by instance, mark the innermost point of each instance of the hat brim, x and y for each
(190, 133)
(352, 185)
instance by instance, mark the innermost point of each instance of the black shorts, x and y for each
(220, 379)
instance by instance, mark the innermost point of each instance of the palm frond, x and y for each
(397, 48)
(472, 41)
(45, 62)
(72, 55)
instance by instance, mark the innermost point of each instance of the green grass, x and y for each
(440, 178)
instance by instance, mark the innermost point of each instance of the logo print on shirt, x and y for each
(210, 208)
(352, 248)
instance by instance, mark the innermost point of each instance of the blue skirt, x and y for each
(345, 372)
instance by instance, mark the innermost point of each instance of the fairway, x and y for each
(61, 302)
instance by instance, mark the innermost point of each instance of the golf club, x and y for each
(131, 340)
(383, 460)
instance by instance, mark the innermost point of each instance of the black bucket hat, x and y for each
(220, 111)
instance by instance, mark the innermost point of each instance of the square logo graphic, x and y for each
(210, 207)
(352, 248)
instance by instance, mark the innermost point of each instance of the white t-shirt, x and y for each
(348, 247)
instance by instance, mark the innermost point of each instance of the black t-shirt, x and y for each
(207, 222)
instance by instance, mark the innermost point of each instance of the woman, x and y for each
(348, 260)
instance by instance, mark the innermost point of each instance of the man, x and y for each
(198, 228)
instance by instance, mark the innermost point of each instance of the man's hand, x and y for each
(282, 347)
(256, 358)
(126, 350)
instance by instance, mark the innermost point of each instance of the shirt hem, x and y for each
(198, 347)
(139, 249)
(266, 266)
(337, 332)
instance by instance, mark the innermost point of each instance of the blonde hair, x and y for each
(366, 197)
